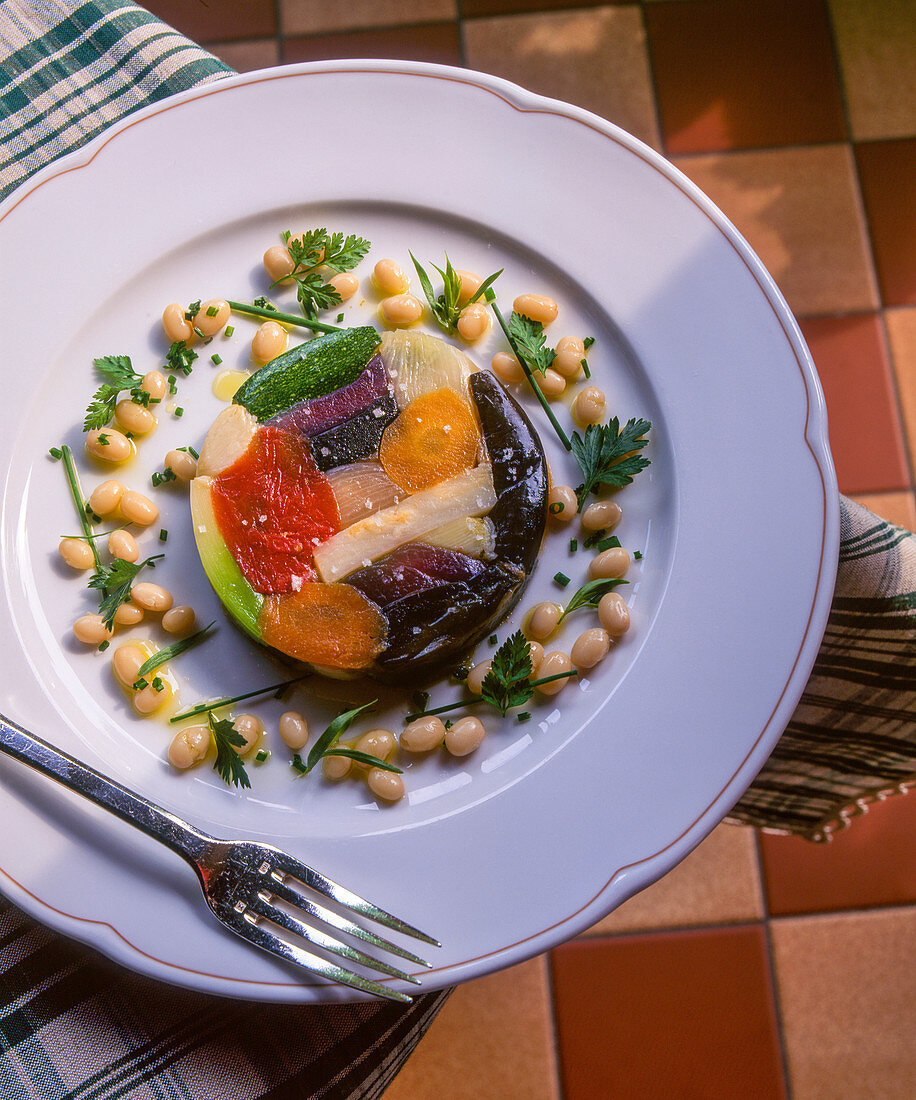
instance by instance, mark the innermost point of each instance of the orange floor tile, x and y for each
(762, 966)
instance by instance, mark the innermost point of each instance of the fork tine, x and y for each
(256, 933)
(347, 898)
(320, 939)
(335, 920)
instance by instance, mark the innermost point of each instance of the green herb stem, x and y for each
(538, 392)
(478, 699)
(205, 708)
(79, 501)
(286, 318)
(174, 650)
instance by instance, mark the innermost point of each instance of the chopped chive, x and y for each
(584, 363)
(493, 639)
(261, 755)
(525, 716)
(139, 685)
(212, 311)
(218, 704)
(163, 535)
(56, 453)
(216, 359)
(448, 723)
(608, 544)
(573, 545)
(420, 700)
(340, 318)
(637, 555)
(229, 330)
(561, 579)
(158, 685)
(588, 341)
(594, 538)
(103, 646)
(173, 385)
(556, 508)
(179, 411)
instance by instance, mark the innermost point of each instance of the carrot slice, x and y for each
(333, 625)
(433, 439)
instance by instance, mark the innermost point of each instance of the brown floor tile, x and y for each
(245, 56)
(208, 22)
(887, 170)
(437, 42)
(799, 210)
(866, 437)
(684, 1014)
(876, 42)
(593, 58)
(717, 883)
(494, 1038)
(899, 508)
(847, 988)
(473, 8)
(901, 334)
(300, 17)
(872, 862)
(737, 75)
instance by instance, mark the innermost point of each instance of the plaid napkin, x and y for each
(73, 1025)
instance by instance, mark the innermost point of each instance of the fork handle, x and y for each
(126, 804)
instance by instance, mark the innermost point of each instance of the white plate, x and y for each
(552, 823)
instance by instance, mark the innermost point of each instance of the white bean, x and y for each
(294, 730)
(179, 620)
(476, 676)
(151, 597)
(543, 620)
(175, 325)
(250, 727)
(134, 418)
(91, 630)
(345, 283)
(613, 562)
(402, 309)
(562, 503)
(423, 734)
(538, 307)
(189, 746)
(77, 553)
(590, 647)
(106, 497)
(386, 785)
(613, 614)
(138, 508)
(464, 736)
(268, 342)
(108, 444)
(589, 406)
(278, 263)
(123, 545)
(474, 322)
(212, 316)
(506, 367)
(182, 464)
(602, 515)
(389, 278)
(125, 664)
(555, 662)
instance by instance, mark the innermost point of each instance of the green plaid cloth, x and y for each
(73, 1025)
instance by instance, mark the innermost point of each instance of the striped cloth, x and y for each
(852, 738)
(74, 1026)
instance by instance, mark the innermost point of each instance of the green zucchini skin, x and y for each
(313, 369)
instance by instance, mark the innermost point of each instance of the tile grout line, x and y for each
(555, 1030)
(771, 967)
(908, 444)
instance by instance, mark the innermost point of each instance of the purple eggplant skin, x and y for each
(413, 568)
(519, 472)
(359, 437)
(320, 414)
(440, 624)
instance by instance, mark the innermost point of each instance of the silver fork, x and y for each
(243, 881)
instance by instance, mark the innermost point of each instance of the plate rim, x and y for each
(658, 863)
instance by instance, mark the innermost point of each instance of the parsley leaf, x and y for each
(228, 763)
(529, 343)
(508, 683)
(317, 248)
(114, 581)
(445, 307)
(607, 454)
(118, 373)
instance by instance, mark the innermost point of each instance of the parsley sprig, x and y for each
(608, 454)
(119, 375)
(528, 342)
(445, 307)
(228, 763)
(316, 248)
(115, 581)
(508, 684)
(326, 745)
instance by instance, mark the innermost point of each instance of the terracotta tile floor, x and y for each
(762, 966)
